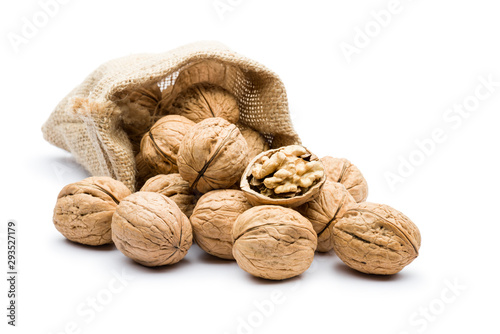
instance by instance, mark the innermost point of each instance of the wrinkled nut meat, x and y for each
(150, 229)
(212, 155)
(255, 141)
(286, 173)
(288, 176)
(160, 145)
(273, 242)
(174, 187)
(331, 203)
(343, 171)
(376, 239)
(202, 101)
(213, 219)
(84, 209)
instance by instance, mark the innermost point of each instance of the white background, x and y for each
(394, 91)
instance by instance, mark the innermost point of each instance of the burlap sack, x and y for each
(88, 122)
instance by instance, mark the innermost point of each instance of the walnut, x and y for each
(255, 141)
(375, 239)
(322, 211)
(150, 229)
(84, 209)
(174, 187)
(213, 219)
(288, 176)
(138, 110)
(273, 242)
(143, 171)
(212, 155)
(160, 145)
(343, 171)
(202, 101)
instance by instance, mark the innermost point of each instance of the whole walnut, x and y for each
(138, 106)
(375, 239)
(213, 219)
(287, 176)
(255, 141)
(204, 100)
(273, 242)
(84, 209)
(160, 145)
(150, 229)
(343, 171)
(174, 187)
(212, 155)
(322, 211)
(143, 171)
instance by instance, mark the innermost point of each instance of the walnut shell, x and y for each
(202, 101)
(322, 211)
(174, 187)
(256, 187)
(143, 171)
(150, 229)
(138, 109)
(343, 171)
(255, 141)
(273, 242)
(213, 219)
(160, 145)
(212, 155)
(84, 209)
(375, 239)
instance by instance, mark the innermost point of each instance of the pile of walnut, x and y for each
(210, 178)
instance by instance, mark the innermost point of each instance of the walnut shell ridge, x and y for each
(343, 171)
(213, 219)
(174, 187)
(84, 209)
(202, 101)
(212, 155)
(160, 145)
(150, 229)
(273, 242)
(376, 239)
(330, 204)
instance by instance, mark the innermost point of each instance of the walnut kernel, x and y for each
(288, 176)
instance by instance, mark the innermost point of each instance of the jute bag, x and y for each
(101, 125)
